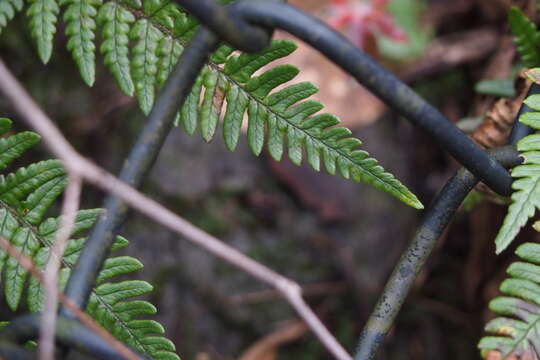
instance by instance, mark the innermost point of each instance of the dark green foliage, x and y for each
(141, 42)
(516, 331)
(25, 197)
(526, 36)
(8, 9)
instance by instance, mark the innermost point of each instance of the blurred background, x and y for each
(337, 238)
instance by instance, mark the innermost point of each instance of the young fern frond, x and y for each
(526, 37)
(25, 198)
(142, 40)
(526, 197)
(515, 333)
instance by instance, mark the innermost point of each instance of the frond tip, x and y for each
(516, 333)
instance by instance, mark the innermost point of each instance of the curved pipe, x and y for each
(409, 265)
(520, 130)
(138, 163)
(11, 351)
(69, 332)
(228, 25)
(384, 84)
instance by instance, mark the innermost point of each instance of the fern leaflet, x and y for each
(8, 9)
(43, 16)
(80, 19)
(526, 37)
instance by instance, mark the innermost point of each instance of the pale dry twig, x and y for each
(70, 207)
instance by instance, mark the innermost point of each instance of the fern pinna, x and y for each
(25, 197)
(142, 40)
(516, 333)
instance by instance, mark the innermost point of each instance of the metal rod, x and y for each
(409, 265)
(520, 130)
(69, 333)
(228, 25)
(11, 351)
(138, 163)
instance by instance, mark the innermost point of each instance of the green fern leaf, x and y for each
(14, 146)
(5, 125)
(16, 186)
(212, 103)
(144, 64)
(8, 9)
(526, 37)
(80, 19)
(526, 197)
(169, 51)
(43, 16)
(25, 198)
(516, 333)
(116, 21)
(189, 114)
(285, 113)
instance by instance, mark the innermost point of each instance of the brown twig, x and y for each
(84, 318)
(76, 165)
(70, 207)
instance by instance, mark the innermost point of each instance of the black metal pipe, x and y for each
(69, 332)
(228, 25)
(520, 130)
(138, 163)
(436, 218)
(380, 81)
(11, 351)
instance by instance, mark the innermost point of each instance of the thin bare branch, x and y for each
(70, 207)
(84, 318)
(77, 165)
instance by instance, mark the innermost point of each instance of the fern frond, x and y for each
(43, 16)
(80, 19)
(286, 114)
(526, 37)
(526, 197)
(25, 198)
(8, 9)
(516, 333)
